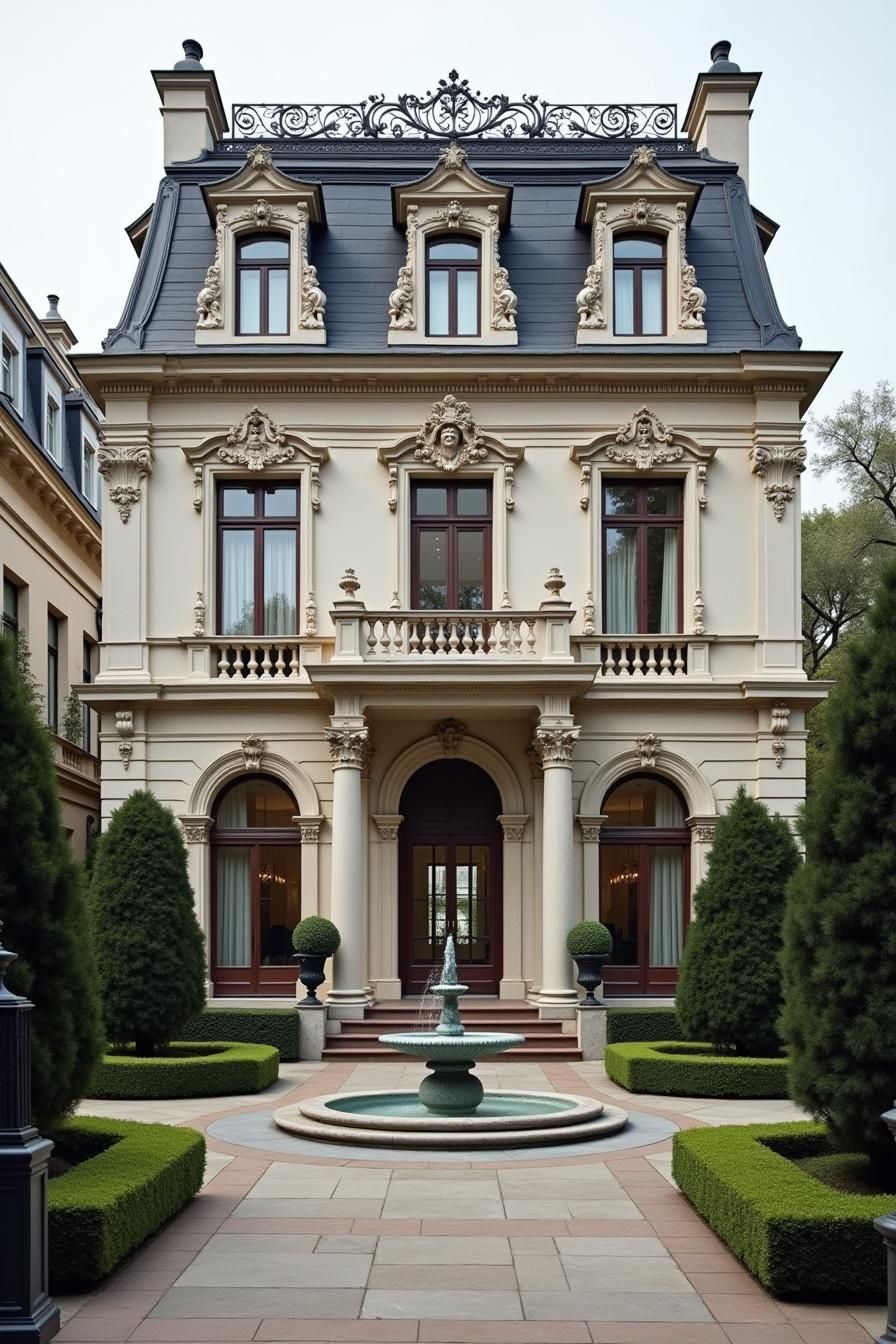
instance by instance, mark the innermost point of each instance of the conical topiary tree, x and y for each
(840, 927)
(42, 905)
(729, 987)
(149, 945)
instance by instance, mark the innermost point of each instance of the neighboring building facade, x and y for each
(451, 567)
(50, 538)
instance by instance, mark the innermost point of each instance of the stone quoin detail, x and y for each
(256, 442)
(450, 733)
(779, 468)
(555, 746)
(124, 469)
(252, 748)
(124, 727)
(348, 746)
(647, 748)
(449, 438)
(644, 442)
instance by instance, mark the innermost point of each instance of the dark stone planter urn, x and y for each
(311, 974)
(590, 965)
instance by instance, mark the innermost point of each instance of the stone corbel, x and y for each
(780, 722)
(314, 475)
(701, 486)
(585, 486)
(124, 727)
(779, 467)
(197, 489)
(508, 485)
(124, 468)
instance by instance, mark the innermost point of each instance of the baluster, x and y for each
(609, 662)
(679, 661)
(294, 660)
(516, 637)
(622, 668)
(224, 672)
(252, 665)
(280, 665)
(480, 639)
(651, 660)
(414, 641)
(666, 662)
(427, 638)
(638, 663)
(266, 663)
(399, 636)
(385, 641)
(454, 639)
(530, 638)
(441, 641)
(503, 641)
(492, 642)
(467, 640)
(371, 638)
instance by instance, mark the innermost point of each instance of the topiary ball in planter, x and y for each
(590, 944)
(314, 939)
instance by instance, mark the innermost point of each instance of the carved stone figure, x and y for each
(452, 156)
(645, 440)
(401, 301)
(314, 300)
(449, 438)
(643, 156)
(262, 214)
(589, 300)
(504, 302)
(647, 748)
(253, 749)
(454, 214)
(693, 299)
(259, 157)
(256, 442)
(208, 300)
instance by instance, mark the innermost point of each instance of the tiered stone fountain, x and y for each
(450, 1109)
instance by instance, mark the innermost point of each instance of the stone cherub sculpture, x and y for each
(208, 300)
(401, 301)
(693, 298)
(505, 301)
(314, 300)
(589, 300)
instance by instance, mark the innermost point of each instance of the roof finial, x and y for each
(192, 55)
(53, 313)
(721, 65)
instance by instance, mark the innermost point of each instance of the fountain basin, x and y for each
(435, 1049)
(502, 1120)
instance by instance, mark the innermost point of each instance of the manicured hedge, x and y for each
(799, 1237)
(256, 1026)
(692, 1069)
(211, 1069)
(642, 1024)
(130, 1179)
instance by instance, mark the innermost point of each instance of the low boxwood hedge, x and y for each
(642, 1024)
(129, 1180)
(255, 1026)
(187, 1069)
(798, 1236)
(693, 1069)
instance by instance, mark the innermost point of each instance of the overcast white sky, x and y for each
(83, 141)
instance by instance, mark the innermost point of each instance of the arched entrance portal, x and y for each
(256, 866)
(449, 875)
(644, 884)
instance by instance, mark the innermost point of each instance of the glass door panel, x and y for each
(278, 903)
(619, 881)
(429, 878)
(472, 934)
(666, 935)
(234, 907)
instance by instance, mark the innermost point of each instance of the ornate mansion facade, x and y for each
(451, 551)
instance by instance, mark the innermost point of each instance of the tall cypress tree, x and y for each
(729, 986)
(840, 927)
(43, 906)
(149, 944)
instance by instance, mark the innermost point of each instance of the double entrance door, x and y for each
(449, 881)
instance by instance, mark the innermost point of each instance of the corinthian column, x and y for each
(349, 746)
(555, 746)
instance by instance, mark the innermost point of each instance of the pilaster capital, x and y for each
(778, 465)
(513, 826)
(349, 746)
(703, 829)
(591, 826)
(555, 746)
(309, 828)
(388, 823)
(196, 828)
(124, 464)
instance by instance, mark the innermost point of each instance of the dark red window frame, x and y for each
(453, 266)
(258, 524)
(264, 266)
(452, 523)
(643, 522)
(638, 265)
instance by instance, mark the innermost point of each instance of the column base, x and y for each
(347, 1005)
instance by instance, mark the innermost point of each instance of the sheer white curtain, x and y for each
(234, 886)
(669, 593)
(238, 584)
(279, 582)
(666, 877)
(622, 581)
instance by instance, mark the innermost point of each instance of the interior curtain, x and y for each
(238, 584)
(666, 925)
(669, 594)
(622, 582)
(652, 301)
(279, 582)
(234, 907)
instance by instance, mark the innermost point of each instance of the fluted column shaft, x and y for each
(348, 748)
(555, 747)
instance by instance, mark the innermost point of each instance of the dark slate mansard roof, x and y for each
(359, 251)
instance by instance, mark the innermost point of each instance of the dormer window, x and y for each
(262, 273)
(453, 272)
(639, 285)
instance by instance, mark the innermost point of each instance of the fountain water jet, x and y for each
(450, 1108)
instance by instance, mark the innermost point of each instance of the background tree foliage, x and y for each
(42, 904)
(840, 927)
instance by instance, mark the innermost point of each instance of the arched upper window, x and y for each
(262, 288)
(644, 801)
(453, 277)
(639, 284)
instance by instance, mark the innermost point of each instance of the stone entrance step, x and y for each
(545, 1040)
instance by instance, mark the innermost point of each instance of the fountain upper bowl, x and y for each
(471, 1045)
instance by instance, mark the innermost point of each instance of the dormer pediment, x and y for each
(641, 177)
(452, 179)
(259, 180)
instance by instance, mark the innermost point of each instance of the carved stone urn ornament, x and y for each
(449, 438)
(256, 442)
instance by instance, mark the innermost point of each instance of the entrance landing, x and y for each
(544, 1040)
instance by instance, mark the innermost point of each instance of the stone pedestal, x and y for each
(312, 1032)
(592, 1031)
(28, 1315)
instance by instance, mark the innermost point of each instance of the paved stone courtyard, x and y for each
(539, 1250)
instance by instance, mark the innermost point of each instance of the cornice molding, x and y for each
(23, 461)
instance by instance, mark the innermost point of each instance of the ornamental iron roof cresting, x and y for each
(455, 111)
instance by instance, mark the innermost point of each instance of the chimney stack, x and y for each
(192, 111)
(718, 115)
(56, 327)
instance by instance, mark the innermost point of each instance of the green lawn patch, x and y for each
(693, 1069)
(800, 1238)
(128, 1180)
(255, 1026)
(187, 1069)
(642, 1024)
